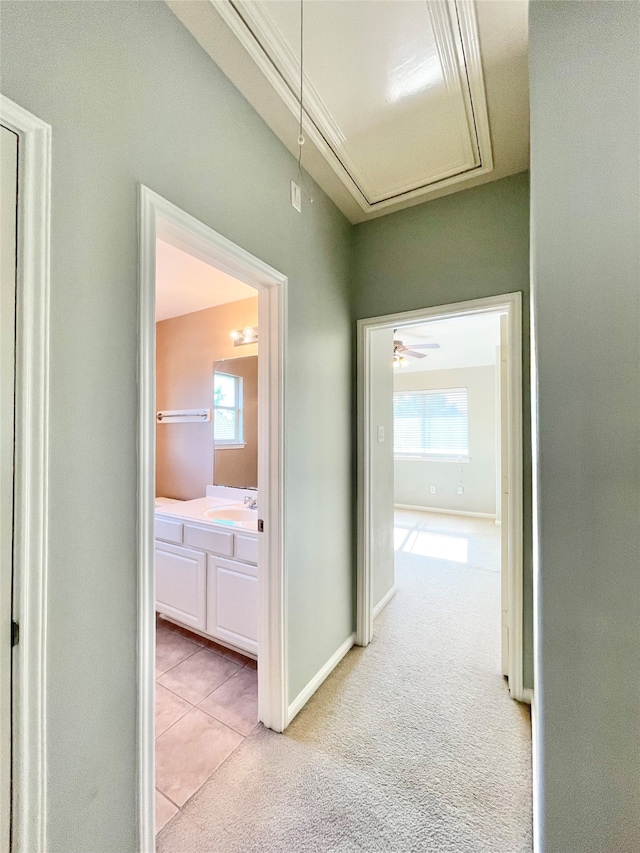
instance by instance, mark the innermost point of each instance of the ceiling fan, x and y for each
(400, 351)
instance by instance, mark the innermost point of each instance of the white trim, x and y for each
(31, 506)
(470, 42)
(160, 218)
(364, 581)
(307, 692)
(31, 478)
(271, 54)
(510, 303)
(443, 511)
(538, 791)
(384, 601)
(456, 460)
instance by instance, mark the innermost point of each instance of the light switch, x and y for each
(296, 197)
(380, 433)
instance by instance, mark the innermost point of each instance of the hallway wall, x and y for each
(131, 97)
(585, 230)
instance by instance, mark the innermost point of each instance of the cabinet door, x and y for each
(181, 584)
(232, 603)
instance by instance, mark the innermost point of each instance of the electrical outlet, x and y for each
(381, 433)
(460, 490)
(296, 197)
(432, 489)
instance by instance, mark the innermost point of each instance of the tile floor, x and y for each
(206, 704)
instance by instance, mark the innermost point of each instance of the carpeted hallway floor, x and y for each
(412, 744)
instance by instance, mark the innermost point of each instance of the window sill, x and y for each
(223, 446)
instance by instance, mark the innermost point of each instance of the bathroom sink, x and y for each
(231, 515)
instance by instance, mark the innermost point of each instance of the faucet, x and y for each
(252, 503)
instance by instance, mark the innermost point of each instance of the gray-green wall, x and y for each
(585, 239)
(463, 246)
(132, 98)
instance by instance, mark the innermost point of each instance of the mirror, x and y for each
(235, 422)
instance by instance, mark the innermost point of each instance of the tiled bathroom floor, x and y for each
(206, 704)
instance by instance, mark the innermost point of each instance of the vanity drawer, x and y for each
(170, 531)
(208, 539)
(247, 548)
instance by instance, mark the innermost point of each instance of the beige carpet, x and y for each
(413, 744)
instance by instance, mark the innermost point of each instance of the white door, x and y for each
(503, 498)
(8, 232)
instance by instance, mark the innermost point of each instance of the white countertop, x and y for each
(198, 509)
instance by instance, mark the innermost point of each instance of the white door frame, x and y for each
(160, 218)
(30, 479)
(511, 303)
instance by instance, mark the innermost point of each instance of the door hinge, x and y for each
(260, 526)
(15, 633)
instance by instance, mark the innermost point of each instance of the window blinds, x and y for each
(431, 424)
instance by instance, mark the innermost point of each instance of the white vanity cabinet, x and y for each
(181, 584)
(209, 582)
(232, 602)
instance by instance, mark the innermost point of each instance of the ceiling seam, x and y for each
(295, 95)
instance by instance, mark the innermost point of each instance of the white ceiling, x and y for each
(185, 284)
(405, 100)
(464, 342)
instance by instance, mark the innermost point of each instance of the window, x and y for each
(227, 410)
(431, 424)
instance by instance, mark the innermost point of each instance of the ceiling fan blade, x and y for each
(414, 354)
(425, 346)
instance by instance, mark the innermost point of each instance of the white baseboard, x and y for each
(307, 692)
(445, 511)
(537, 785)
(384, 601)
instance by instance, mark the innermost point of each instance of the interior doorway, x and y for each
(393, 476)
(210, 503)
(25, 155)
(9, 142)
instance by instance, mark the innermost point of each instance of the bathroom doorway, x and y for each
(211, 605)
(25, 179)
(428, 468)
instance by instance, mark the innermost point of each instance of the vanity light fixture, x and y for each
(240, 337)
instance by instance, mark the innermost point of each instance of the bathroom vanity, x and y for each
(206, 568)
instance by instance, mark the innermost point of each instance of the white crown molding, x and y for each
(455, 27)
